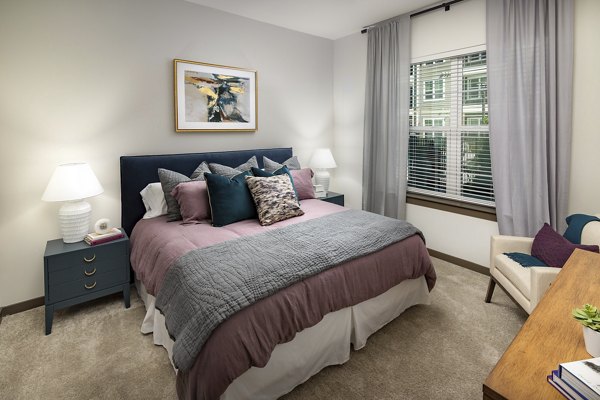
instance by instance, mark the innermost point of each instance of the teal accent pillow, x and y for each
(576, 223)
(283, 170)
(230, 199)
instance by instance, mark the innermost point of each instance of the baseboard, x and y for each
(22, 306)
(460, 262)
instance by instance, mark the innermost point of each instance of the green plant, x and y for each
(588, 316)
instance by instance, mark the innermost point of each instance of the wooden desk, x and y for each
(550, 335)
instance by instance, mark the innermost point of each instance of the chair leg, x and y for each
(490, 291)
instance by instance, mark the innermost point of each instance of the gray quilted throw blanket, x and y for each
(206, 286)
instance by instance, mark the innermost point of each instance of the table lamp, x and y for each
(322, 160)
(72, 183)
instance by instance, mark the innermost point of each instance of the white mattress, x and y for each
(326, 343)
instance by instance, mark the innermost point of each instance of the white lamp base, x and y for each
(74, 219)
(322, 178)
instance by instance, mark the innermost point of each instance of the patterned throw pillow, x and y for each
(272, 166)
(169, 180)
(274, 198)
(229, 172)
(283, 170)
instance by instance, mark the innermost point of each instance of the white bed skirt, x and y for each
(326, 343)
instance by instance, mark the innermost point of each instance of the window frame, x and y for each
(453, 206)
(461, 129)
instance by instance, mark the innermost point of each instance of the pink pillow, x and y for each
(303, 183)
(193, 201)
(553, 249)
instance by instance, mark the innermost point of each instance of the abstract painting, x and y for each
(212, 97)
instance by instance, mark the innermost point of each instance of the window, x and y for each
(475, 59)
(433, 121)
(433, 90)
(474, 89)
(472, 120)
(449, 150)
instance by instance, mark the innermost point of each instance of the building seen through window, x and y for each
(449, 152)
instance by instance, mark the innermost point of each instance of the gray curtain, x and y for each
(386, 118)
(530, 85)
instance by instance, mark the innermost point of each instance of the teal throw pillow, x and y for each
(230, 199)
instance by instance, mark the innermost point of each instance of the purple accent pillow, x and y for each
(193, 201)
(303, 183)
(553, 249)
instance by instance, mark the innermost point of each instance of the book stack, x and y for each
(578, 379)
(98, 238)
(320, 191)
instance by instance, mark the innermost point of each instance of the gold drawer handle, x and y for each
(89, 273)
(91, 286)
(89, 260)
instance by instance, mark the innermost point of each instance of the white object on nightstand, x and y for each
(319, 191)
(72, 183)
(322, 160)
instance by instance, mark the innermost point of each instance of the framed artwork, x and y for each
(212, 97)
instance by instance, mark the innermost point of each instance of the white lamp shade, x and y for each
(322, 159)
(72, 182)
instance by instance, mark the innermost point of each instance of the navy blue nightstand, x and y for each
(335, 198)
(76, 272)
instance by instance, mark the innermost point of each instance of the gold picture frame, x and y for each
(214, 98)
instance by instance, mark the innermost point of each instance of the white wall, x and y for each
(87, 80)
(457, 235)
(585, 162)
(455, 30)
(454, 234)
(350, 68)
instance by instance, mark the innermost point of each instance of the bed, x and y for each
(267, 348)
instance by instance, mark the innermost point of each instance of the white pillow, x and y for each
(154, 200)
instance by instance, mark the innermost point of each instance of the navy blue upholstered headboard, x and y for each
(138, 171)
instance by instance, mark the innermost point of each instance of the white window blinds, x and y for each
(449, 151)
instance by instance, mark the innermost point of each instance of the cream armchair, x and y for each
(526, 286)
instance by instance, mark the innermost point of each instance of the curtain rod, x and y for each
(445, 6)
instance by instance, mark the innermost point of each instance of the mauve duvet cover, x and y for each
(156, 243)
(248, 338)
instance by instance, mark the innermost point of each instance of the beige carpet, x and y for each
(441, 351)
